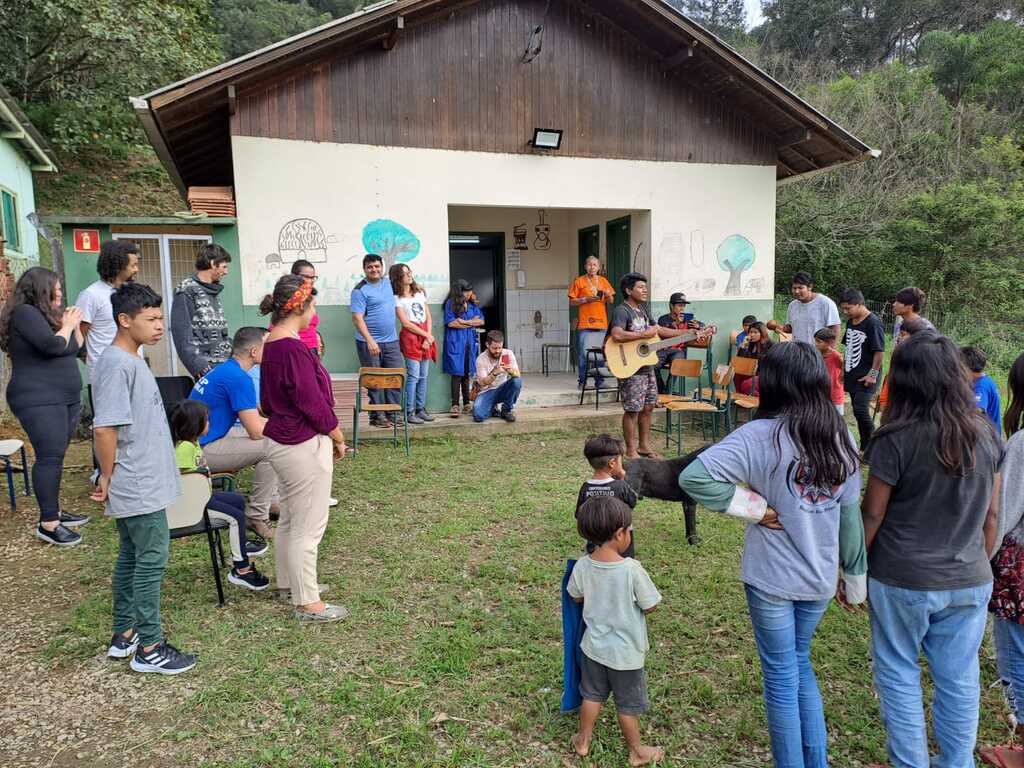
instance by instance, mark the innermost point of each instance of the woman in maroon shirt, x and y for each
(303, 436)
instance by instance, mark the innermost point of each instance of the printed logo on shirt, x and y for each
(854, 347)
(418, 312)
(813, 498)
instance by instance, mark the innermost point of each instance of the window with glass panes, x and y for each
(9, 219)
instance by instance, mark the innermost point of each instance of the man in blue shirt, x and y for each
(373, 315)
(228, 392)
(986, 393)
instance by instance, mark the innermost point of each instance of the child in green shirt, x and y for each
(190, 421)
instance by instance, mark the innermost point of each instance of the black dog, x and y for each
(659, 479)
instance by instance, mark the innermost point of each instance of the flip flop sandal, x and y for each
(455, 412)
(1003, 757)
(651, 455)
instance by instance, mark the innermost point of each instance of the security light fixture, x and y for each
(548, 139)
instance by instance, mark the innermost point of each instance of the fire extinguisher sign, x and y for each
(87, 241)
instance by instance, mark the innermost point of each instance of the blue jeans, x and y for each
(416, 384)
(1009, 640)
(390, 357)
(948, 625)
(505, 396)
(796, 719)
(584, 341)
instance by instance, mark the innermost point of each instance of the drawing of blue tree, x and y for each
(736, 255)
(390, 240)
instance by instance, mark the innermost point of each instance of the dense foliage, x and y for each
(936, 85)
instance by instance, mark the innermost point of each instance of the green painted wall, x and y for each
(16, 177)
(336, 321)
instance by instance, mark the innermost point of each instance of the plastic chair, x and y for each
(381, 379)
(187, 516)
(7, 449)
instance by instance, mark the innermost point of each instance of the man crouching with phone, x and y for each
(497, 375)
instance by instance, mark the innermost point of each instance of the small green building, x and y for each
(22, 151)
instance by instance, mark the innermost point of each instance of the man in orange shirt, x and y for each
(590, 293)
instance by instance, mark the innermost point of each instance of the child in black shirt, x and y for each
(605, 454)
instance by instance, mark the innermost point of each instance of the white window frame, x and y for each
(166, 285)
(20, 250)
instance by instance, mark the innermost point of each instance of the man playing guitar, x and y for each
(674, 318)
(639, 392)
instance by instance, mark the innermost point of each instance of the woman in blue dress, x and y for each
(462, 316)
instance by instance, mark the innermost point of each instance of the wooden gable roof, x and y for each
(479, 74)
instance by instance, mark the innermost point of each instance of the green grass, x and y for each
(450, 563)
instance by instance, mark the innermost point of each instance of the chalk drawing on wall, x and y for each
(754, 287)
(736, 255)
(697, 248)
(669, 271)
(391, 241)
(519, 235)
(542, 242)
(300, 239)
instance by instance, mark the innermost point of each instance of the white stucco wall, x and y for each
(16, 176)
(334, 191)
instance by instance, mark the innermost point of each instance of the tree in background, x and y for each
(859, 35)
(247, 25)
(726, 18)
(73, 63)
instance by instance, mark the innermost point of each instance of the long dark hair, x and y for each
(458, 299)
(1014, 416)
(928, 384)
(760, 349)
(795, 388)
(395, 275)
(36, 287)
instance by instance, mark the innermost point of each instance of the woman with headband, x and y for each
(303, 435)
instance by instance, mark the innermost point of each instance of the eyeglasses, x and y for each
(314, 278)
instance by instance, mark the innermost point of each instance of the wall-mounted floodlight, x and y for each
(548, 139)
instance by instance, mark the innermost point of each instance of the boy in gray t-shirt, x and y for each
(616, 593)
(138, 480)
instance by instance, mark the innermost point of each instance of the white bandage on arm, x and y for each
(747, 505)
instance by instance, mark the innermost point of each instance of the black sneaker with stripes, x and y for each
(163, 658)
(121, 647)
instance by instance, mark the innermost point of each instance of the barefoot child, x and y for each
(825, 342)
(606, 454)
(616, 593)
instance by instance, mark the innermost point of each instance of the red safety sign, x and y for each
(87, 241)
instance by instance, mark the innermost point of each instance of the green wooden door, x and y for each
(590, 245)
(619, 257)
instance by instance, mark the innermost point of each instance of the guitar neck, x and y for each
(673, 340)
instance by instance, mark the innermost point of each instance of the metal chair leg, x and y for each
(355, 431)
(220, 548)
(213, 558)
(24, 469)
(10, 483)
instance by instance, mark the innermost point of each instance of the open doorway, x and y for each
(478, 257)
(531, 256)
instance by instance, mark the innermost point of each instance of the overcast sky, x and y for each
(754, 13)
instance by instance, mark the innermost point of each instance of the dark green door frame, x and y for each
(617, 239)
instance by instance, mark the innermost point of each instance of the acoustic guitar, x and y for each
(624, 358)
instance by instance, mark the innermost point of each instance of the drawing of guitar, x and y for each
(624, 358)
